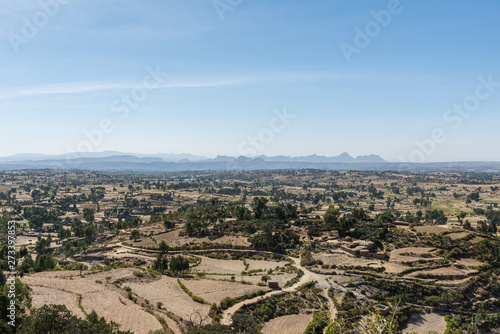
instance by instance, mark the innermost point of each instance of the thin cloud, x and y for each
(329, 76)
(73, 88)
(91, 87)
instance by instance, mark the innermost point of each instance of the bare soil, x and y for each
(426, 322)
(288, 324)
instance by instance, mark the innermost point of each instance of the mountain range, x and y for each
(159, 162)
(114, 156)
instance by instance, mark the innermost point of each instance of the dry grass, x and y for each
(344, 259)
(265, 265)
(424, 323)
(458, 235)
(45, 296)
(215, 291)
(216, 266)
(168, 291)
(469, 262)
(431, 229)
(289, 324)
(413, 254)
(447, 271)
(105, 299)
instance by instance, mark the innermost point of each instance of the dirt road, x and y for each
(322, 282)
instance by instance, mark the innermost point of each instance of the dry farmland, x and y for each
(183, 252)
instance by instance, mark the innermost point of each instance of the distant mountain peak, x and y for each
(112, 160)
(369, 158)
(345, 155)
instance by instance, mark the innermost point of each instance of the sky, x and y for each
(408, 80)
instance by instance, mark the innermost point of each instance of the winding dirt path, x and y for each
(322, 282)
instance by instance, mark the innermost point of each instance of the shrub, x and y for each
(198, 299)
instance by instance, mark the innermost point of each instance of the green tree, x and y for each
(242, 213)
(163, 247)
(179, 264)
(22, 302)
(35, 222)
(135, 234)
(48, 319)
(259, 206)
(42, 245)
(244, 323)
(161, 263)
(279, 212)
(88, 215)
(36, 195)
(80, 266)
(492, 228)
(331, 219)
(44, 262)
(461, 216)
(51, 319)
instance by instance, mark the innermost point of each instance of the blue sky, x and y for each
(228, 78)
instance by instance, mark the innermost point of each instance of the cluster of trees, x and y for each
(68, 203)
(58, 319)
(493, 216)
(200, 217)
(178, 263)
(44, 260)
(207, 218)
(473, 197)
(274, 240)
(435, 217)
(413, 218)
(229, 191)
(262, 211)
(413, 190)
(8, 196)
(422, 202)
(22, 303)
(81, 230)
(343, 195)
(165, 197)
(374, 193)
(395, 188)
(488, 250)
(37, 216)
(333, 220)
(486, 227)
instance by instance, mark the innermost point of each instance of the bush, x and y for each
(318, 324)
(409, 270)
(198, 299)
(58, 319)
(432, 300)
(228, 301)
(139, 273)
(190, 294)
